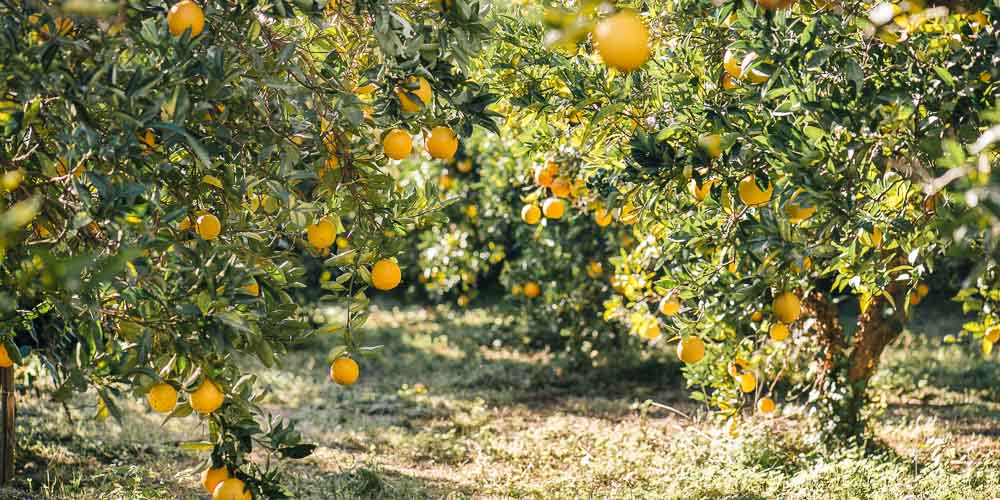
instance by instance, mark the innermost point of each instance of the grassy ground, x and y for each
(448, 411)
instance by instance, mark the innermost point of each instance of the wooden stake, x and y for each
(7, 415)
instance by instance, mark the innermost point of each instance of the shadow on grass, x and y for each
(376, 482)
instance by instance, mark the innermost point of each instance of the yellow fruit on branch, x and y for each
(787, 307)
(992, 334)
(553, 208)
(344, 371)
(464, 166)
(876, 237)
(531, 289)
(253, 288)
(397, 144)
(594, 269)
(183, 16)
(691, 350)
(208, 227)
(729, 82)
(442, 143)
(731, 64)
(712, 144)
(775, 4)
(386, 274)
(5, 361)
(162, 398)
(779, 332)
(231, 489)
(531, 214)
(561, 187)
(752, 195)
(602, 217)
(755, 74)
(207, 397)
(765, 405)
(737, 366)
(700, 193)
(210, 478)
(423, 93)
(321, 234)
(747, 381)
(622, 40)
(670, 306)
(545, 176)
(923, 290)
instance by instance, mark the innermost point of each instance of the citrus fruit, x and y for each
(397, 144)
(162, 398)
(756, 316)
(208, 226)
(731, 64)
(775, 4)
(602, 217)
(5, 361)
(386, 274)
(594, 269)
(629, 214)
(322, 234)
(231, 489)
(210, 478)
(712, 144)
(553, 208)
(253, 288)
(207, 397)
(992, 334)
(649, 330)
(561, 187)
(622, 41)
(442, 143)
(797, 213)
(344, 371)
(545, 176)
(185, 15)
(752, 195)
(765, 405)
(531, 290)
(700, 193)
(787, 307)
(464, 166)
(669, 306)
(423, 93)
(691, 350)
(779, 332)
(531, 214)
(747, 381)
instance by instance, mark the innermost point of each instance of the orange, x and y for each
(561, 187)
(602, 217)
(531, 290)
(5, 361)
(623, 41)
(712, 144)
(545, 176)
(442, 143)
(669, 306)
(208, 227)
(322, 234)
(797, 213)
(691, 350)
(747, 381)
(397, 144)
(787, 307)
(992, 334)
(765, 405)
(464, 166)
(423, 93)
(531, 214)
(207, 397)
(210, 478)
(253, 288)
(752, 195)
(728, 82)
(553, 208)
(162, 398)
(775, 4)
(700, 193)
(731, 64)
(183, 16)
(231, 489)
(344, 371)
(779, 332)
(386, 274)
(594, 269)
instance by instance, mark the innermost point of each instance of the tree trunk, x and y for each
(7, 414)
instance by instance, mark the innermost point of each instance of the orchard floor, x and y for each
(448, 411)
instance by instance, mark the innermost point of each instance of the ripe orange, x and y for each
(797, 213)
(386, 274)
(700, 193)
(231, 489)
(623, 41)
(464, 166)
(561, 187)
(779, 332)
(423, 93)
(731, 64)
(531, 290)
(553, 208)
(253, 288)
(162, 398)
(207, 397)
(544, 176)
(752, 195)
(923, 290)
(712, 144)
(691, 350)
(765, 405)
(775, 4)
(747, 381)
(208, 227)
(876, 237)
(185, 15)
(992, 334)
(787, 307)
(321, 234)
(210, 478)
(728, 82)
(669, 306)
(397, 144)
(344, 371)
(442, 143)
(602, 217)
(594, 269)
(445, 182)
(531, 214)
(5, 361)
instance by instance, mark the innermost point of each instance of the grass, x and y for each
(448, 410)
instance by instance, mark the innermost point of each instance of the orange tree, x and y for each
(551, 267)
(168, 170)
(776, 157)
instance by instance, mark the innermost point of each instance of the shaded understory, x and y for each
(447, 410)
